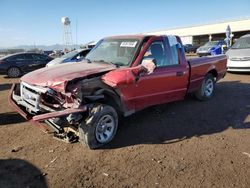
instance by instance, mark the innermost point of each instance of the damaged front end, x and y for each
(62, 112)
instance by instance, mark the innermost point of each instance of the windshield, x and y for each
(242, 43)
(211, 43)
(70, 54)
(119, 52)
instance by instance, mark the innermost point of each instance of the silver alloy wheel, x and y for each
(209, 87)
(13, 72)
(105, 128)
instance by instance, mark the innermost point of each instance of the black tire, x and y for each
(14, 72)
(206, 91)
(88, 129)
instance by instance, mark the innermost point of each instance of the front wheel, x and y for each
(206, 91)
(100, 127)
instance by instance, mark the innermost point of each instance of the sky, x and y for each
(29, 22)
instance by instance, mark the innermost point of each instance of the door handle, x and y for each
(179, 73)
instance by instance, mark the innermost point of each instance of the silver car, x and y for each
(239, 55)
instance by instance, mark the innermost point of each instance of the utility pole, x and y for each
(76, 34)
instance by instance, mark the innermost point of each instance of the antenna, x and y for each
(67, 36)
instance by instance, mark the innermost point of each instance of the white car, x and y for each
(239, 55)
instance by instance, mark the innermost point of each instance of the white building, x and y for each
(200, 34)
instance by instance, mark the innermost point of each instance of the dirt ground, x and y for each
(182, 144)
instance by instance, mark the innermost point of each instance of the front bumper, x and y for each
(203, 53)
(16, 103)
(238, 66)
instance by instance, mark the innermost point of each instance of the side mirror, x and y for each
(78, 57)
(129, 75)
(148, 65)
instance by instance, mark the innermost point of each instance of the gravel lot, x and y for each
(182, 144)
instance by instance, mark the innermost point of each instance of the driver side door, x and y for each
(169, 80)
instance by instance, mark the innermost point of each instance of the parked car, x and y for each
(17, 64)
(56, 53)
(48, 52)
(189, 48)
(73, 56)
(239, 55)
(121, 76)
(211, 48)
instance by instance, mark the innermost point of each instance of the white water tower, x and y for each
(67, 36)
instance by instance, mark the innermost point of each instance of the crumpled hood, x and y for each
(57, 76)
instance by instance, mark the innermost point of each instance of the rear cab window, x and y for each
(174, 49)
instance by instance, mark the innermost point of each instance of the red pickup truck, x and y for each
(121, 75)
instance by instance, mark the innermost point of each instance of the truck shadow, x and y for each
(10, 118)
(240, 73)
(4, 87)
(229, 108)
(20, 173)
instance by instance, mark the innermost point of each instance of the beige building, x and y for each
(198, 35)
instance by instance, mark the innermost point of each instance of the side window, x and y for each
(81, 54)
(19, 57)
(84, 53)
(157, 51)
(28, 57)
(38, 57)
(76, 56)
(175, 58)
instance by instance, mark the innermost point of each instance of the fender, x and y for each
(110, 96)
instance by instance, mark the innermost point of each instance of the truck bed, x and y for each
(215, 64)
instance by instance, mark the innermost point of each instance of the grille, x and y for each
(240, 59)
(30, 96)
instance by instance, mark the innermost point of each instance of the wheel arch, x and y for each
(111, 98)
(214, 73)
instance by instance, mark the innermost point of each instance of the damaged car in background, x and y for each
(71, 57)
(120, 76)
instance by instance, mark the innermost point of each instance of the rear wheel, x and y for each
(14, 72)
(206, 91)
(100, 127)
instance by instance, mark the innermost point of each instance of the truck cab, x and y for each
(169, 78)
